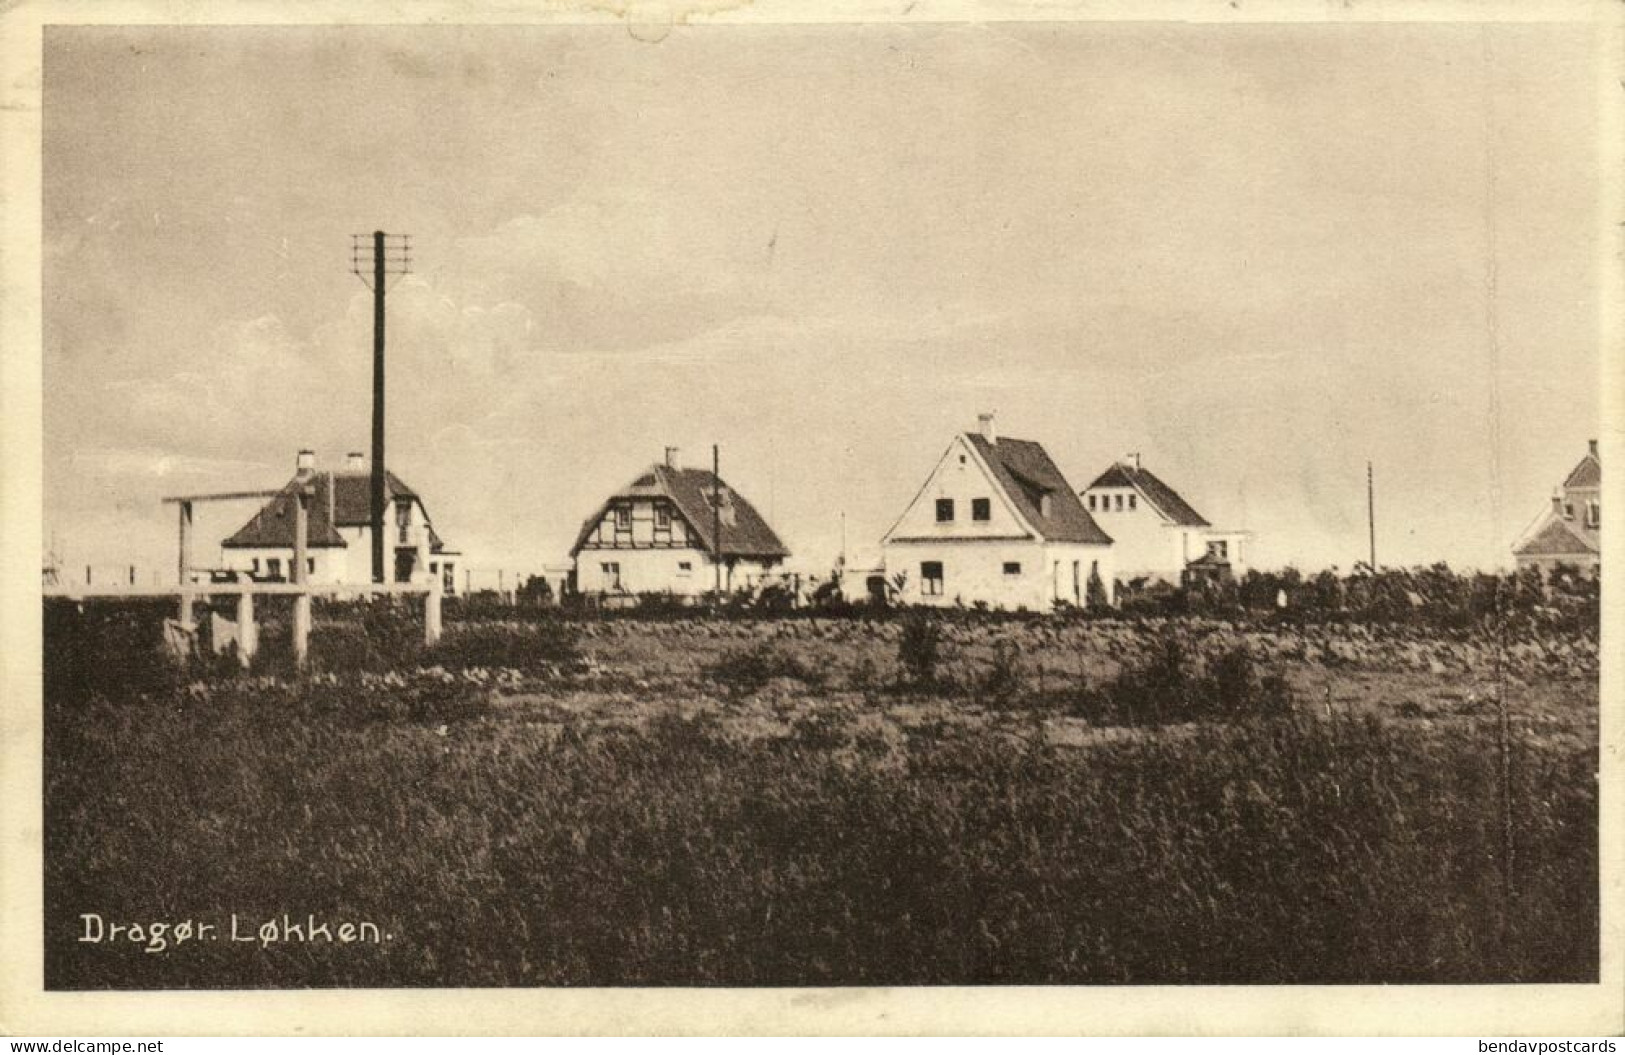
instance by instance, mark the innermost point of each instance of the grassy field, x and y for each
(817, 801)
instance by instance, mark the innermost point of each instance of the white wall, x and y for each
(975, 572)
(659, 570)
(959, 476)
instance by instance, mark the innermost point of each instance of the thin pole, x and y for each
(378, 282)
(716, 513)
(1371, 514)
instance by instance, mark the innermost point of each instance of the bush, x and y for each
(1168, 687)
(542, 647)
(745, 672)
(918, 650)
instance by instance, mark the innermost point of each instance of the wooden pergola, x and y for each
(300, 530)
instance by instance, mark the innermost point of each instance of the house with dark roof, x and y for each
(338, 530)
(1160, 535)
(669, 531)
(996, 523)
(1570, 531)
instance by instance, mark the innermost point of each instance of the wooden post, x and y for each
(301, 600)
(431, 612)
(248, 635)
(184, 562)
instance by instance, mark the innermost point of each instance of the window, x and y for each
(1044, 504)
(623, 518)
(1119, 503)
(662, 518)
(1012, 567)
(684, 567)
(945, 510)
(612, 574)
(1133, 502)
(1091, 503)
(273, 567)
(1594, 513)
(448, 581)
(256, 565)
(310, 565)
(981, 509)
(931, 578)
(1219, 549)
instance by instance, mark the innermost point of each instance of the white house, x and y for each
(1570, 532)
(997, 523)
(338, 531)
(659, 534)
(1158, 534)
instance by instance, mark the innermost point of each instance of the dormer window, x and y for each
(1133, 502)
(1594, 513)
(1044, 505)
(1091, 503)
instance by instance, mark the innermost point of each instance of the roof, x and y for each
(342, 499)
(1587, 474)
(1559, 538)
(1026, 473)
(1166, 500)
(690, 490)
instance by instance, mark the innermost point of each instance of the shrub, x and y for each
(745, 672)
(540, 648)
(918, 649)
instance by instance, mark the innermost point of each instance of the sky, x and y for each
(1259, 255)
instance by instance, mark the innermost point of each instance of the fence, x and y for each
(247, 630)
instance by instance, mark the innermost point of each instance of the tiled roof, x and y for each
(1166, 500)
(1587, 474)
(690, 491)
(1560, 537)
(339, 500)
(1026, 472)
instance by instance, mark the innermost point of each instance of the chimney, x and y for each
(671, 458)
(355, 461)
(306, 463)
(1594, 448)
(1135, 458)
(989, 433)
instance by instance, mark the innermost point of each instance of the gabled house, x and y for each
(1158, 534)
(660, 534)
(997, 524)
(1570, 532)
(338, 531)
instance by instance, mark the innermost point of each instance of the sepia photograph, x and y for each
(889, 503)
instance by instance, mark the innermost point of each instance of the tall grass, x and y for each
(501, 850)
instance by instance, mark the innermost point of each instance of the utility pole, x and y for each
(716, 514)
(388, 258)
(1371, 514)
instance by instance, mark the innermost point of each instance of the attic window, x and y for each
(1091, 503)
(945, 510)
(662, 518)
(981, 509)
(1133, 501)
(1119, 503)
(623, 518)
(1594, 513)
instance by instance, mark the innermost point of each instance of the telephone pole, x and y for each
(1371, 514)
(716, 513)
(391, 254)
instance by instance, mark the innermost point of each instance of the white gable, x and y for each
(962, 478)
